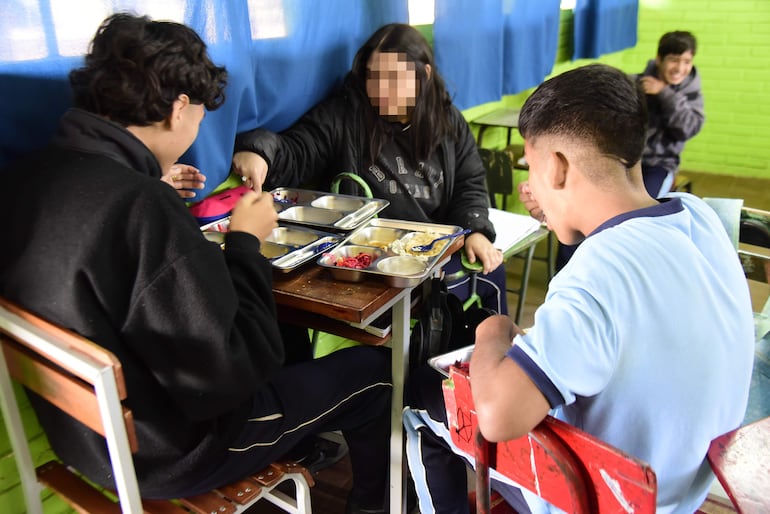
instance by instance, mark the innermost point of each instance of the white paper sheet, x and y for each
(511, 228)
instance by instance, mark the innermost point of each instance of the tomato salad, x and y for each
(360, 261)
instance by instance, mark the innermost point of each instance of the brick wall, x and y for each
(11, 495)
(733, 59)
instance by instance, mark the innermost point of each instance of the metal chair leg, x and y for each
(524, 282)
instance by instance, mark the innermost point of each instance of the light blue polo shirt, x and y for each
(646, 340)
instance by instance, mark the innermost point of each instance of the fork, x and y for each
(428, 247)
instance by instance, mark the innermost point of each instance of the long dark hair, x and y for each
(430, 117)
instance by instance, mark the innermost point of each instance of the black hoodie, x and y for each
(97, 243)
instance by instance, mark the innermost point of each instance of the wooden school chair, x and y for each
(86, 381)
(565, 466)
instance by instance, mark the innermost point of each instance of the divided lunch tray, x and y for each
(287, 247)
(325, 211)
(372, 247)
(441, 363)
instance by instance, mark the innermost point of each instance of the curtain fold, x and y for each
(531, 40)
(282, 56)
(492, 48)
(468, 47)
(604, 26)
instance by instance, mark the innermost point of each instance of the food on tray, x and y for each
(463, 366)
(284, 198)
(360, 261)
(404, 245)
(382, 245)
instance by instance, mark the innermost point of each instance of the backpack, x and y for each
(443, 325)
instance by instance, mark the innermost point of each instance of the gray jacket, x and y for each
(675, 115)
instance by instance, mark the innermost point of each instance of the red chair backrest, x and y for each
(565, 466)
(741, 461)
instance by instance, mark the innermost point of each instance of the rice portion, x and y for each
(404, 245)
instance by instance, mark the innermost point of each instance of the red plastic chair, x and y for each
(565, 466)
(740, 460)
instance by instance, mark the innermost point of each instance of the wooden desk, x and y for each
(311, 296)
(505, 118)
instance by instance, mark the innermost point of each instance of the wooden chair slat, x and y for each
(66, 391)
(242, 491)
(162, 507)
(269, 476)
(207, 503)
(78, 493)
(72, 340)
(289, 466)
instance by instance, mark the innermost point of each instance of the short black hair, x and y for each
(136, 68)
(597, 103)
(676, 43)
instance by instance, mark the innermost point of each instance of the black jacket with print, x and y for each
(331, 138)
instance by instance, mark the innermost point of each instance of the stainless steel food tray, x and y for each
(441, 363)
(287, 247)
(375, 238)
(325, 211)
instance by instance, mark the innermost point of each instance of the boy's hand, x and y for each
(254, 213)
(184, 177)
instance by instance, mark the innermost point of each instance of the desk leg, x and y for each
(399, 362)
(482, 128)
(524, 282)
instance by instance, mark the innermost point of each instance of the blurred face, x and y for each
(391, 84)
(673, 69)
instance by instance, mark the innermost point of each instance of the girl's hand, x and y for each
(183, 178)
(252, 168)
(477, 246)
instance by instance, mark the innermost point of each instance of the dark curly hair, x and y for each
(136, 68)
(598, 104)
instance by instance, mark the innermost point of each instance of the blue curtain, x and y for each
(490, 48)
(531, 40)
(468, 42)
(604, 26)
(282, 56)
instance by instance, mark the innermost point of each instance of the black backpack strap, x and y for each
(433, 327)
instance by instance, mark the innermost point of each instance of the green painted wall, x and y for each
(733, 59)
(11, 495)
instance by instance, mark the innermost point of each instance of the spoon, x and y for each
(429, 246)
